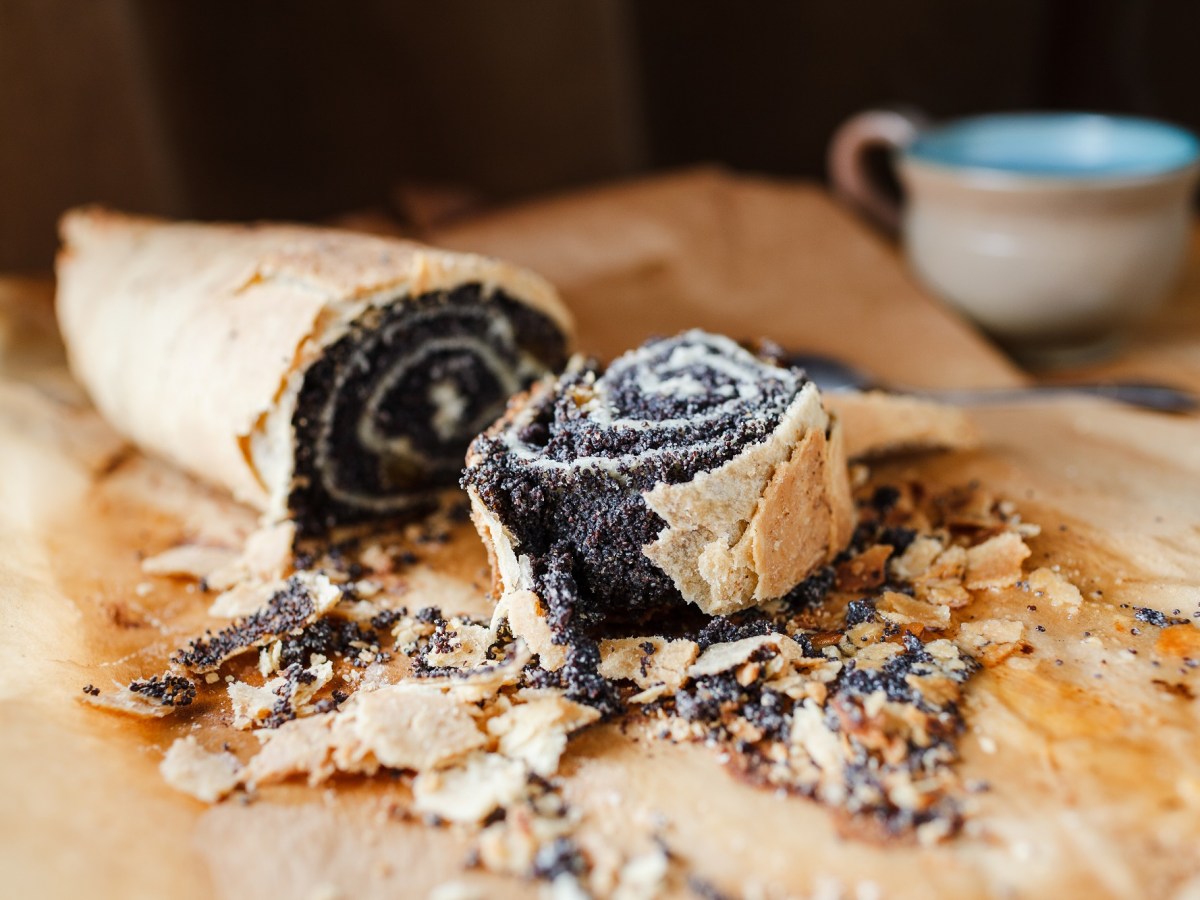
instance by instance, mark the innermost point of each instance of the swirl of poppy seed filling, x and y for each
(566, 477)
(385, 414)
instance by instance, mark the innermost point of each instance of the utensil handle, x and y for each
(1157, 397)
(848, 171)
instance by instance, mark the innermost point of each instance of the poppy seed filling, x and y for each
(567, 473)
(384, 416)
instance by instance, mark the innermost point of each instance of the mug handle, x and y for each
(852, 181)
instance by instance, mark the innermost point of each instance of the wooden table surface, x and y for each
(1096, 780)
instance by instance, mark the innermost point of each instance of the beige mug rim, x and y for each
(997, 179)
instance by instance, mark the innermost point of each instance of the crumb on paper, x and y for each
(535, 731)
(299, 747)
(992, 640)
(244, 598)
(281, 699)
(465, 645)
(406, 726)
(472, 790)
(996, 563)
(402, 726)
(648, 661)
(725, 656)
(485, 681)
(376, 558)
(901, 609)
(131, 703)
(191, 769)
(1045, 582)
(266, 556)
(917, 559)
(303, 599)
(643, 876)
(196, 561)
(866, 570)
(857, 705)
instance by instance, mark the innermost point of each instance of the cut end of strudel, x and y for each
(325, 376)
(688, 472)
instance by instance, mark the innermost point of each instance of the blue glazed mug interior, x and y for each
(1058, 145)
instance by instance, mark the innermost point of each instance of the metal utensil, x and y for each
(831, 375)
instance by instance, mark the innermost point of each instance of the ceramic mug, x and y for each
(1053, 231)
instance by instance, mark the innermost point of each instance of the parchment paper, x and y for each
(1093, 773)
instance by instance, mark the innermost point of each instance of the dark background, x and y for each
(307, 109)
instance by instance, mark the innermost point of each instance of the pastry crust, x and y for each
(753, 529)
(878, 424)
(193, 339)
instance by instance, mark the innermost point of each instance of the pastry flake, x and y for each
(300, 601)
(191, 769)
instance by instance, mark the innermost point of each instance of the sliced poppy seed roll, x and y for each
(323, 376)
(688, 472)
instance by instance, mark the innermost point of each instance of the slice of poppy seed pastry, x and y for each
(324, 376)
(687, 472)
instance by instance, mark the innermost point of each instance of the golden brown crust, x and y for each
(793, 529)
(837, 474)
(185, 334)
(752, 529)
